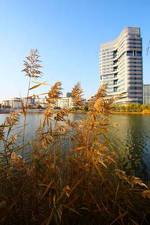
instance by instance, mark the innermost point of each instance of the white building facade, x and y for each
(146, 94)
(121, 66)
(64, 102)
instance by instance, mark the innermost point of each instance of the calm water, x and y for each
(130, 134)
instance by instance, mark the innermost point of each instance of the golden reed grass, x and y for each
(79, 183)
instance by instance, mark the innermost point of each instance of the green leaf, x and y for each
(37, 85)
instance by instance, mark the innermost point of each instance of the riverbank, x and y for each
(132, 113)
(7, 111)
(4, 111)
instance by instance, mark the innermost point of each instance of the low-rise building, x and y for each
(14, 103)
(41, 102)
(35, 102)
(64, 102)
(30, 101)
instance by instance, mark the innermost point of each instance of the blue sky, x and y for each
(68, 34)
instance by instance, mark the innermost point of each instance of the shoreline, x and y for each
(132, 113)
(75, 112)
(3, 111)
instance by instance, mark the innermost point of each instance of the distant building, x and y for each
(146, 94)
(121, 66)
(17, 103)
(30, 101)
(64, 102)
(14, 103)
(35, 102)
(41, 102)
(68, 94)
(4, 103)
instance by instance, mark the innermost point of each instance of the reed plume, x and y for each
(74, 175)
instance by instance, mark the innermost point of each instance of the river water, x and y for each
(130, 134)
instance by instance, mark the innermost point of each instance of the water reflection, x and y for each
(132, 137)
(130, 134)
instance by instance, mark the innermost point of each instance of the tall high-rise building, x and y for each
(121, 66)
(146, 94)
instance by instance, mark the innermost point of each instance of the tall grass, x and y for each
(79, 183)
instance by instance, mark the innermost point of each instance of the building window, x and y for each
(129, 53)
(115, 81)
(115, 68)
(114, 53)
(132, 88)
(115, 89)
(139, 53)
